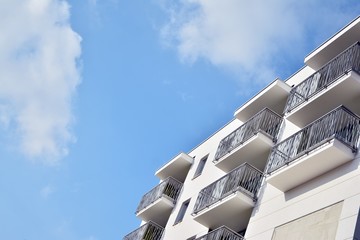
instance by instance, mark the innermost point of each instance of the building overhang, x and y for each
(334, 45)
(177, 168)
(345, 90)
(158, 211)
(254, 151)
(234, 211)
(317, 162)
(273, 97)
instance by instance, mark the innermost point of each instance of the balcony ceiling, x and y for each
(345, 91)
(158, 212)
(335, 45)
(233, 212)
(273, 97)
(254, 151)
(316, 163)
(177, 168)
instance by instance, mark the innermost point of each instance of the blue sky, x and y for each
(96, 95)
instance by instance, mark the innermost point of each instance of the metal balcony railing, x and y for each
(346, 61)
(246, 179)
(265, 121)
(169, 188)
(340, 124)
(148, 231)
(221, 233)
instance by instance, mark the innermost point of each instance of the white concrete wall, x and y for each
(192, 186)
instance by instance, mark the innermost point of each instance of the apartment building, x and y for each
(286, 167)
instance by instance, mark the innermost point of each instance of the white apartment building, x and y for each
(287, 167)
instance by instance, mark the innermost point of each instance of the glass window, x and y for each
(201, 166)
(182, 211)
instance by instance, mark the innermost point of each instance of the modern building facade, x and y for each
(286, 167)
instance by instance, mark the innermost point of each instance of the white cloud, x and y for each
(46, 191)
(39, 55)
(251, 38)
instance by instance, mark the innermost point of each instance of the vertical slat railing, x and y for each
(324, 77)
(340, 124)
(169, 188)
(148, 231)
(266, 121)
(221, 233)
(245, 179)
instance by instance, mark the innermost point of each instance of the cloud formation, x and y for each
(251, 38)
(39, 54)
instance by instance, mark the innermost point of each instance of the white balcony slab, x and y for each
(177, 168)
(234, 211)
(345, 91)
(254, 151)
(334, 45)
(319, 161)
(273, 97)
(158, 211)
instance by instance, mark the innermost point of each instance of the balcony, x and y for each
(229, 200)
(273, 97)
(338, 82)
(251, 142)
(156, 205)
(222, 233)
(177, 168)
(148, 231)
(320, 147)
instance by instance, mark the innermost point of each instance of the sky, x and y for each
(96, 95)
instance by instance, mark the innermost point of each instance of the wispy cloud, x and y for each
(39, 54)
(251, 38)
(46, 191)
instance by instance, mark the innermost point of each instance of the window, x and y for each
(200, 167)
(182, 211)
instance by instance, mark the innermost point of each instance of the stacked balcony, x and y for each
(177, 168)
(229, 200)
(222, 233)
(336, 82)
(156, 205)
(325, 144)
(148, 231)
(251, 142)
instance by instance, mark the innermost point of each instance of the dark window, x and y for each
(201, 166)
(182, 211)
(357, 228)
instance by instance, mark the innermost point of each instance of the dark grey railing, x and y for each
(169, 188)
(346, 61)
(340, 124)
(148, 231)
(221, 233)
(265, 121)
(245, 179)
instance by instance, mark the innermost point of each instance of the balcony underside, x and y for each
(254, 151)
(158, 212)
(321, 160)
(344, 91)
(176, 168)
(273, 97)
(233, 211)
(335, 45)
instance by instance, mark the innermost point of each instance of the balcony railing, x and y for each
(245, 179)
(340, 124)
(346, 61)
(265, 121)
(221, 233)
(169, 188)
(148, 231)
